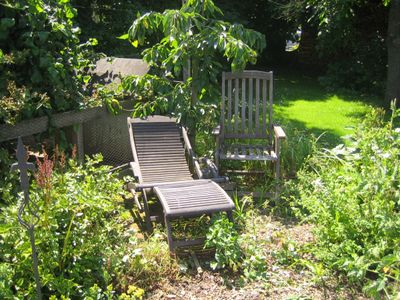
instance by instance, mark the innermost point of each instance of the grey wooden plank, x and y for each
(154, 119)
(159, 144)
(248, 74)
(229, 120)
(257, 100)
(243, 117)
(236, 105)
(264, 105)
(160, 152)
(271, 107)
(250, 123)
(223, 113)
(166, 172)
(179, 153)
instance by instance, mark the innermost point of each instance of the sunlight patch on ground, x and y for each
(333, 114)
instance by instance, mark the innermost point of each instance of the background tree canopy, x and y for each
(351, 44)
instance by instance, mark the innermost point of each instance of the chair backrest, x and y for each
(246, 106)
(158, 149)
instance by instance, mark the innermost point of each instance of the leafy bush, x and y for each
(192, 35)
(237, 252)
(223, 236)
(77, 231)
(42, 63)
(352, 194)
(84, 247)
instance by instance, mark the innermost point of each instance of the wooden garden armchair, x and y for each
(161, 152)
(246, 130)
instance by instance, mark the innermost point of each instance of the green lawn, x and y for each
(305, 104)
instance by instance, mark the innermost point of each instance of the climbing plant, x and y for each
(42, 62)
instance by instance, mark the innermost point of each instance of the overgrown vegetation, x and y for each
(42, 62)
(88, 243)
(352, 195)
(86, 249)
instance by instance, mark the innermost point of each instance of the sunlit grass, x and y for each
(306, 105)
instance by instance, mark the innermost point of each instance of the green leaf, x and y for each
(135, 43)
(86, 79)
(123, 37)
(93, 41)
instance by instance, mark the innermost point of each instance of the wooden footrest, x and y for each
(193, 198)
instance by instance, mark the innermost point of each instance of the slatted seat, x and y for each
(246, 130)
(247, 152)
(159, 148)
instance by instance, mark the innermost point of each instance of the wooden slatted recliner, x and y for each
(159, 146)
(246, 130)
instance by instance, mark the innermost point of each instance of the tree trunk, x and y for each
(393, 45)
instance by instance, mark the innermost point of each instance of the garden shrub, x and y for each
(42, 62)
(235, 250)
(352, 194)
(86, 248)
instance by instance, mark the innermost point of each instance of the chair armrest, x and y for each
(191, 154)
(216, 130)
(279, 133)
(135, 168)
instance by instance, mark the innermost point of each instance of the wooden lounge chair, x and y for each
(246, 130)
(160, 165)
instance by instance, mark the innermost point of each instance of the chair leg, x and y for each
(277, 179)
(230, 216)
(147, 212)
(277, 169)
(169, 234)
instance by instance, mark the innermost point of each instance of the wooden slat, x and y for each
(223, 104)
(250, 124)
(271, 96)
(249, 74)
(236, 104)
(175, 153)
(158, 144)
(264, 105)
(243, 118)
(257, 115)
(148, 170)
(153, 119)
(155, 127)
(245, 136)
(159, 168)
(229, 124)
(168, 144)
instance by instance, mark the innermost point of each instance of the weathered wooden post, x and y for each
(23, 166)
